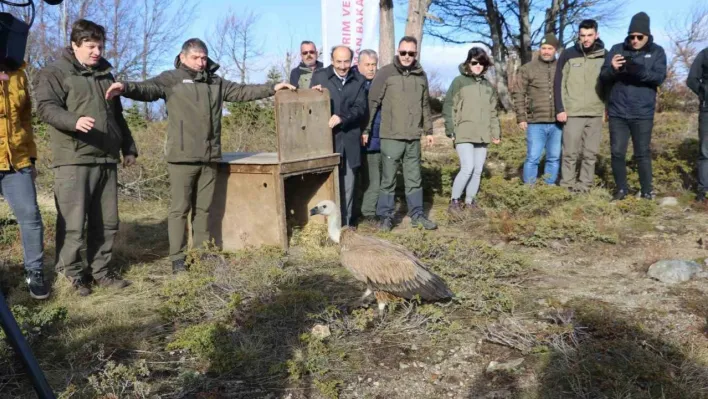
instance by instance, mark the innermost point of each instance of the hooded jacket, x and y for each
(470, 109)
(633, 88)
(402, 93)
(194, 107)
(578, 89)
(66, 90)
(697, 79)
(17, 147)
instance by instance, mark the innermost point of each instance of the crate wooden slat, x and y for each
(260, 197)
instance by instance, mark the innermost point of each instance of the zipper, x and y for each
(211, 134)
(181, 135)
(550, 93)
(196, 91)
(6, 101)
(479, 95)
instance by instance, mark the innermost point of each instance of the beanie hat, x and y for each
(551, 40)
(640, 24)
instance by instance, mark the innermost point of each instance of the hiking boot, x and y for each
(423, 221)
(38, 288)
(455, 207)
(701, 198)
(619, 195)
(112, 281)
(80, 285)
(386, 224)
(178, 266)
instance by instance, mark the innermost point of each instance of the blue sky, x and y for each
(284, 23)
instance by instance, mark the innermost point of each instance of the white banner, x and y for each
(352, 23)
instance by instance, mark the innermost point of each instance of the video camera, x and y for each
(14, 33)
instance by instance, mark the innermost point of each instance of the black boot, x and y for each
(619, 195)
(421, 220)
(81, 285)
(178, 266)
(386, 224)
(647, 196)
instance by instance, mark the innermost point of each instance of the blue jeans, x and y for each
(18, 189)
(540, 136)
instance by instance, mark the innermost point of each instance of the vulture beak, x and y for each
(314, 211)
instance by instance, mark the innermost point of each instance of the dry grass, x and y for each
(239, 324)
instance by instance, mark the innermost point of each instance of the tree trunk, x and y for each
(417, 9)
(64, 19)
(494, 19)
(563, 23)
(552, 17)
(386, 33)
(525, 51)
(144, 56)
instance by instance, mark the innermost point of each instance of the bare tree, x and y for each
(234, 43)
(386, 32)
(688, 34)
(417, 12)
(511, 28)
(121, 42)
(480, 21)
(158, 34)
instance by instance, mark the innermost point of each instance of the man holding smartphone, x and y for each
(634, 70)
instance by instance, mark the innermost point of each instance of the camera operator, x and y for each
(17, 157)
(634, 69)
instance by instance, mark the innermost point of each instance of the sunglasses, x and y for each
(410, 53)
(309, 52)
(637, 37)
(475, 63)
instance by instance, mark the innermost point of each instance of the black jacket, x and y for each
(349, 103)
(633, 88)
(697, 79)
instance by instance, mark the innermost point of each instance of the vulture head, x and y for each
(331, 211)
(325, 208)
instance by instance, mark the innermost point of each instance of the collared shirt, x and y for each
(343, 79)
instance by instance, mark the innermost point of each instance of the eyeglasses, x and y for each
(637, 37)
(309, 52)
(410, 53)
(474, 63)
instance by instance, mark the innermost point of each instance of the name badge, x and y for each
(187, 81)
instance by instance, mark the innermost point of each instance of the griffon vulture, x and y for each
(387, 269)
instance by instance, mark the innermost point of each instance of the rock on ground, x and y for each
(674, 271)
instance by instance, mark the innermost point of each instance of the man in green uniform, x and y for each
(88, 134)
(194, 95)
(401, 90)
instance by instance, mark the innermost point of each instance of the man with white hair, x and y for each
(367, 66)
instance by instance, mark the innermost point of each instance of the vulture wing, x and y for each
(390, 267)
